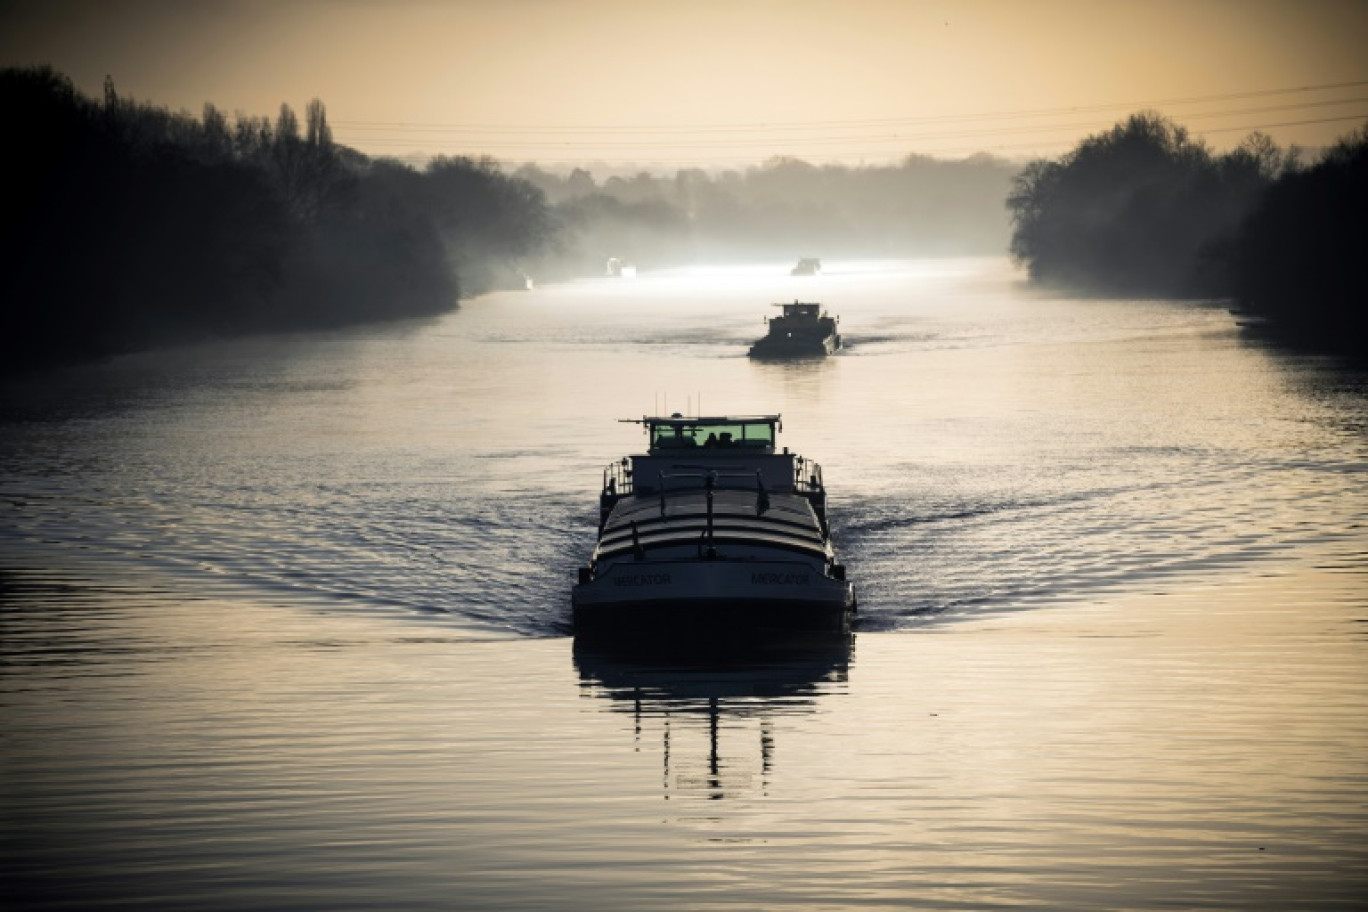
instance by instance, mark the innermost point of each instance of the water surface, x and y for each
(282, 621)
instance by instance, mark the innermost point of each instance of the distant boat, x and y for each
(801, 331)
(710, 529)
(618, 269)
(807, 266)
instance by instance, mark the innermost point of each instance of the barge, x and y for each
(801, 330)
(712, 527)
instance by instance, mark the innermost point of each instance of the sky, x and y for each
(720, 83)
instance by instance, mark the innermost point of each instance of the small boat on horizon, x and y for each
(800, 331)
(712, 528)
(618, 269)
(807, 266)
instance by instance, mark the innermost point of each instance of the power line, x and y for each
(890, 157)
(912, 134)
(582, 145)
(793, 125)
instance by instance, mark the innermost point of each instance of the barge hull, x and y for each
(694, 594)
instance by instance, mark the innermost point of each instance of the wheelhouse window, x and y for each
(746, 435)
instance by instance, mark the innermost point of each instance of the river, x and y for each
(284, 620)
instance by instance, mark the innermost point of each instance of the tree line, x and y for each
(784, 209)
(127, 226)
(1144, 209)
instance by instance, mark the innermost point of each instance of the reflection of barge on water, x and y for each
(729, 691)
(801, 330)
(712, 528)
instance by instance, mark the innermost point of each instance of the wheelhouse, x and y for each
(801, 311)
(747, 434)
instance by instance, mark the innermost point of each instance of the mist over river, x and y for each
(284, 620)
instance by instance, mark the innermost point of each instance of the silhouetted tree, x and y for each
(490, 223)
(1301, 259)
(1140, 209)
(218, 139)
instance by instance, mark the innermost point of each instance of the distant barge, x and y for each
(800, 331)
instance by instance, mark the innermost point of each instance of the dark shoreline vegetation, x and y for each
(127, 226)
(1145, 210)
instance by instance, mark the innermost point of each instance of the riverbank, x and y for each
(1144, 210)
(129, 227)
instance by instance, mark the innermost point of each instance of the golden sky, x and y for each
(719, 82)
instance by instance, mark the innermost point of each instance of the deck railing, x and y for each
(617, 479)
(807, 478)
